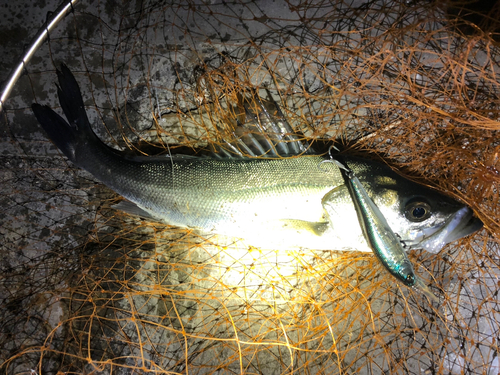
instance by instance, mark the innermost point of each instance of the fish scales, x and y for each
(207, 193)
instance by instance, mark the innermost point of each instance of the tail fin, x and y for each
(70, 97)
(420, 285)
(66, 136)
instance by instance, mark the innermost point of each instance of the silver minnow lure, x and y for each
(381, 238)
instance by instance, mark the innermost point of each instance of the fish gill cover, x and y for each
(85, 288)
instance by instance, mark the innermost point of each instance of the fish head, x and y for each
(423, 218)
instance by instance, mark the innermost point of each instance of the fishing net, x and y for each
(85, 288)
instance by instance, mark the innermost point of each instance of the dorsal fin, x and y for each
(261, 131)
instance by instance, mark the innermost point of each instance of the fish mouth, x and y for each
(459, 225)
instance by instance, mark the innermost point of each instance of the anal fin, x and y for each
(133, 209)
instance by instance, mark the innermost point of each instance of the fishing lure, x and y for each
(385, 244)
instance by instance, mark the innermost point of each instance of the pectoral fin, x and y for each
(336, 194)
(318, 228)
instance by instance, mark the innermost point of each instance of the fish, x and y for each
(280, 198)
(385, 244)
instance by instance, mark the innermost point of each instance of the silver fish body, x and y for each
(285, 202)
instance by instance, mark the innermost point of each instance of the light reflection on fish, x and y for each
(385, 244)
(279, 203)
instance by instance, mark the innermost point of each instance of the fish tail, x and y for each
(72, 137)
(420, 285)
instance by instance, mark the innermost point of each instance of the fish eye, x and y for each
(417, 210)
(410, 279)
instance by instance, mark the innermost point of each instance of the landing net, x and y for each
(88, 289)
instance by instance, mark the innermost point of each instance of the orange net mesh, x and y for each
(87, 289)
